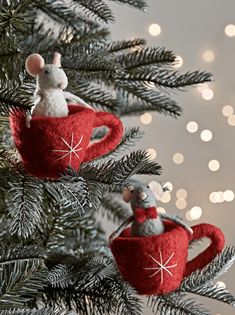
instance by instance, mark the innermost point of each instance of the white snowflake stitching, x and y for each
(71, 149)
(161, 266)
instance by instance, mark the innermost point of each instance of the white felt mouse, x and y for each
(49, 98)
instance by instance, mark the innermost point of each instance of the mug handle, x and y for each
(217, 244)
(110, 141)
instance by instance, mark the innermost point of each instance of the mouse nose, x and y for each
(143, 195)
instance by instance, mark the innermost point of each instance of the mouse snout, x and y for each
(143, 195)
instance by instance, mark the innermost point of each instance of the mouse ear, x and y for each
(157, 189)
(34, 64)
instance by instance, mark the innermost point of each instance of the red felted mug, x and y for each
(51, 145)
(157, 264)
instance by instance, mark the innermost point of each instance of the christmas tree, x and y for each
(55, 257)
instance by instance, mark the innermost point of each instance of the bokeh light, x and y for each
(208, 56)
(192, 127)
(181, 204)
(178, 62)
(161, 210)
(229, 30)
(206, 135)
(166, 197)
(181, 193)
(194, 214)
(152, 153)
(227, 110)
(169, 186)
(228, 195)
(146, 118)
(207, 94)
(214, 165)
(220, 284)
(154, 29)
(178, 158)
(231, 120)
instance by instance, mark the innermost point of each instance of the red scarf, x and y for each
(143, 214)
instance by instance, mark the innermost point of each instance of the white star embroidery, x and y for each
(161, 266)
(71, 149)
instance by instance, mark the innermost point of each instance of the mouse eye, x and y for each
(148, 186)
(46, 71)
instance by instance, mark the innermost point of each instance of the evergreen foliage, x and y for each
(54, 252)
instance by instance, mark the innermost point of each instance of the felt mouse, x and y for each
(146, 221)
(49, 98)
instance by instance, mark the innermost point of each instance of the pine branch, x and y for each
(146, 57)
(138, 4)
(214, 269)
(216, 293)
(167, 79)
(125, 45)
(24, 203)
(147, 99)
(20, 282)
(114, 209)
(97, 8)
(14, 99)
(44, 311)
(176, 304)
(18, 253)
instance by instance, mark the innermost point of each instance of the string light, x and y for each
(230, 30)
(192, 127)
(227, 110)
(214, 165)
(178, 62)
(231, 120)
(181, 194)
(168, 185)
(206, 135)
(146, 118)
(161, 210)
(178, 158)
(220, 284)
(208, 56)
(228, 195)
(207, 94)
(152, 153)
(181, 204)
(154, 29)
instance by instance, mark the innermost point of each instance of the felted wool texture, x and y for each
(45, 146)
(134, 254)
(217, 244)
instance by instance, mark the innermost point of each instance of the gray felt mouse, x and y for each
(146, 221)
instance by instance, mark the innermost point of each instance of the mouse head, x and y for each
(48, 76)
(142, 196)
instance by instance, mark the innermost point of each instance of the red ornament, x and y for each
(51, 144)
(157, 264)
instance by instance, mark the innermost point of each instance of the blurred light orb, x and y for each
(166, 197)
(146, 118)
(161, 210)
(220, 284)
(227, 110)
(178, 158)
(214, 165)
(228, 195)
(178, 62)
(181, 204)
(206, 135)
(216, 197)
(212, 197)
(208, 56)
(207, 94)
(230, 30)
(231, 120)
(181, 194)
(192, 127)
(168, 185)
(202, 87)
(195, 213)
(154, 29)
(152, 153)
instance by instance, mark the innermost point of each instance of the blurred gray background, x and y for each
(190, 28)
